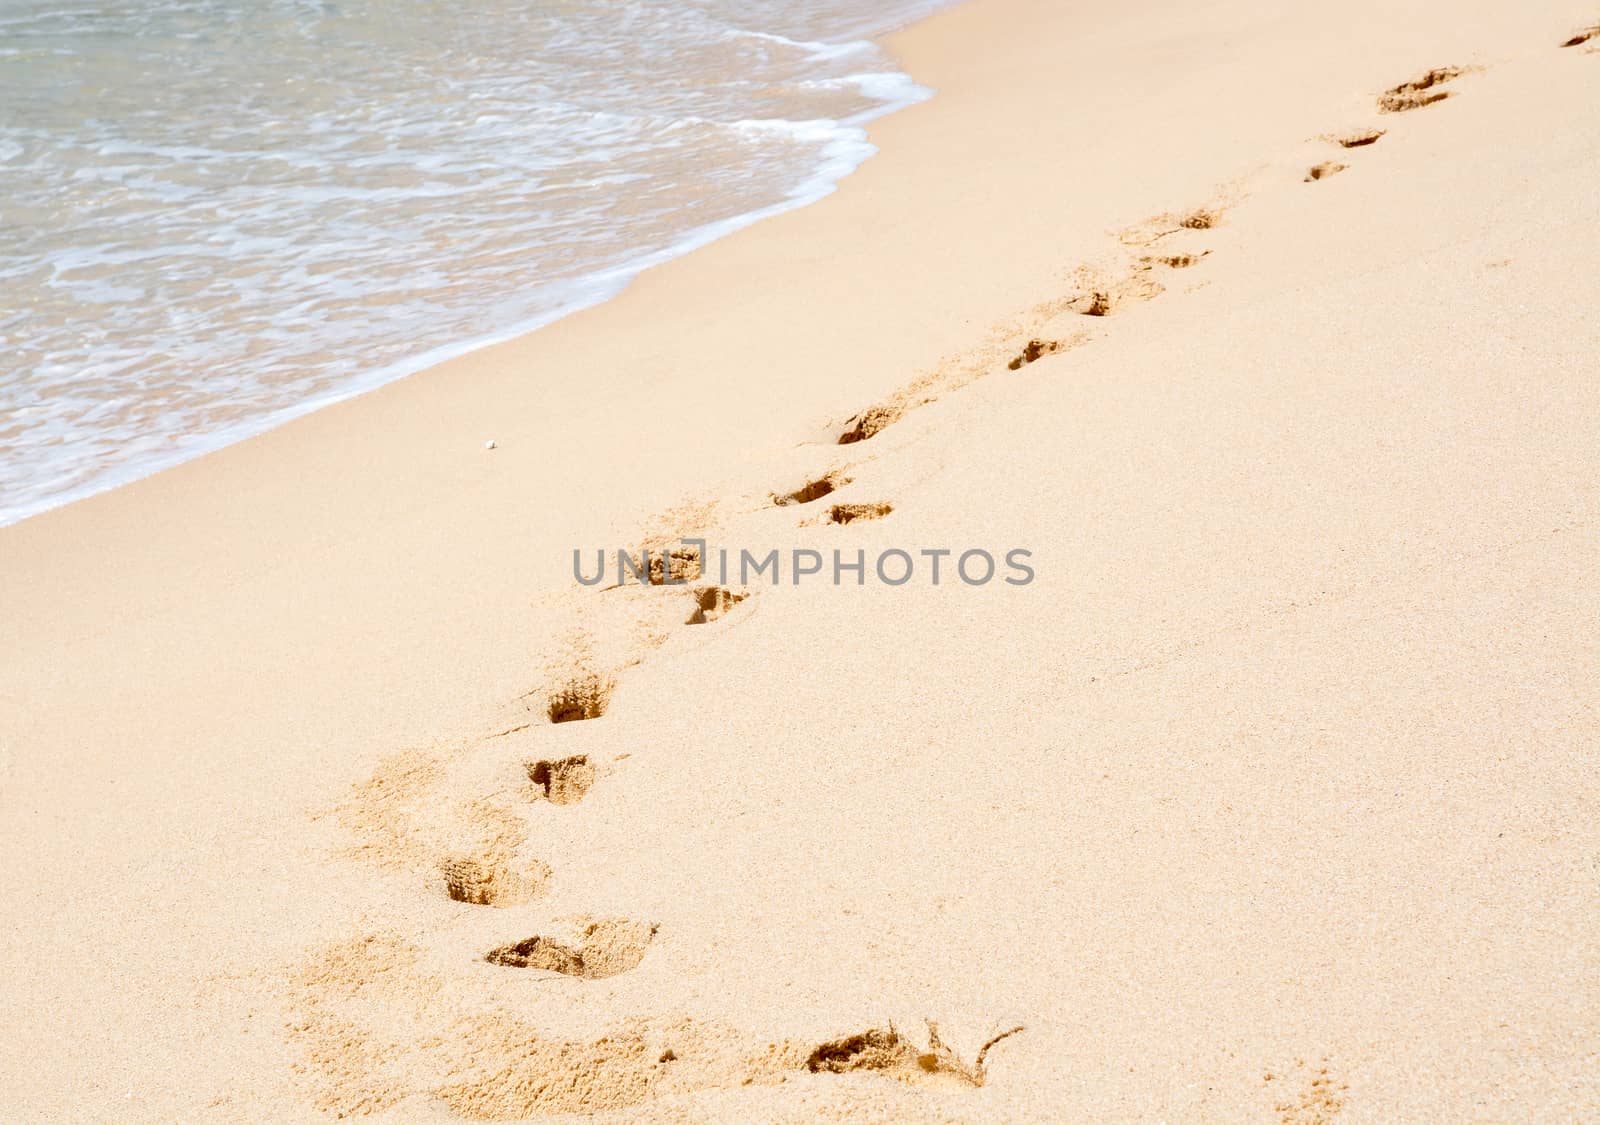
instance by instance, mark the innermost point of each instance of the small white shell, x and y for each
(489, 444)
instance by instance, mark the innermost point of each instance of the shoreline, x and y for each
(597, 288)
(1265, 799)
(841, 157)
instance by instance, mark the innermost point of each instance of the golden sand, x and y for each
(325, 789)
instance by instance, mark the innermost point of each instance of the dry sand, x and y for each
(1273, 797)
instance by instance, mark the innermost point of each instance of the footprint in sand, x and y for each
(491, 1065)
(486, 881)
(1419, 92)
(1100, 294)
(812, 490)
(680, 565)
(1360, 138)
(1095, 295)
(1583, 37)
(711, 602)
(869, 422)
(1155, 229)
(888, 1052)
(1176, 261)
(1201, 219)
(604, 948)
(1096, 302)
(851, 513)
(562, 781)
(1032, 351)
(585, 696)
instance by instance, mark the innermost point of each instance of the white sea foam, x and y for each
(826, 51)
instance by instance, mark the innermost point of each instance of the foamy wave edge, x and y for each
(845, 151)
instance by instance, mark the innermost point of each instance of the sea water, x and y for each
(218, 214)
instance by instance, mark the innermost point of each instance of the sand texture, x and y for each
(1270, 331)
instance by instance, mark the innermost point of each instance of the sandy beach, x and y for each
(1270, 335)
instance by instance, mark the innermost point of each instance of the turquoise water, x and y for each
(217, 215)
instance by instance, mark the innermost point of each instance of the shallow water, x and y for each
(217, 214)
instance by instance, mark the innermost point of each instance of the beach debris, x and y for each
(490, 444)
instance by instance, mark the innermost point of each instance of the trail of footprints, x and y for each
(598, 948)
(1097, 294)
